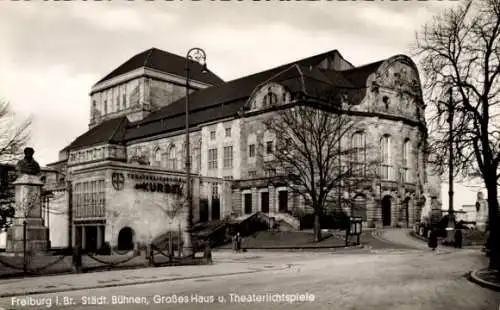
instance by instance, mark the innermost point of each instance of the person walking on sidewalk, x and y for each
(458, 238)
(433, 239)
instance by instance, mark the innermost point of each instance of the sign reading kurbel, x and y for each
(159, 186)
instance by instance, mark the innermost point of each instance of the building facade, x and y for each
(126, 173)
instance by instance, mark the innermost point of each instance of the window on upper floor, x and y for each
(212, 159)
(117, 103)
(172, 159)
(251, 150)
(252, 174)
(157, 155)
(124, 100)
(94, 105)
(358, 162)
(406, 174)
(385, 157)
(228, 157)
(270, 99)
(105, 106)
(228, 132)
(212, 135)
(269, 147)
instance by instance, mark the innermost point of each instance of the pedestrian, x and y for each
(235, 245)
(207, 253)
(458, 238)
(238, 242)
(433, 240)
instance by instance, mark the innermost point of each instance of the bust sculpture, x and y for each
(28, 164)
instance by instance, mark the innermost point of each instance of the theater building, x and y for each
(127, 171)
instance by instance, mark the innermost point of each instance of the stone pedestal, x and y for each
(28, 207)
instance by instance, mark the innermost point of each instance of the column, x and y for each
(255, 200)
(83, 237)
(99, 236)
(272, 199)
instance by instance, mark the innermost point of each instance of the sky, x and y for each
(51, 53)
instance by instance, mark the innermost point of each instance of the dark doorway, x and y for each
(78, 236)
(264, 200)
(386, 211)
(283, 201)
(126, 239)
(248, 203)
(215, 209)
(91, 239)
(203, 210)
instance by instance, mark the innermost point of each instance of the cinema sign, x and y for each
(157, 184)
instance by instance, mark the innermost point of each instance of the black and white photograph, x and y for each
(246, 154)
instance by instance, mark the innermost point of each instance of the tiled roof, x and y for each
(358, 76)
(226, 100)
(165, 62)
(230, 91)
(112, 131)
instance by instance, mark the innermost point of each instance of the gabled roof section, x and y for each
(110, 131)
(234, 90)
(166, 62)
(358, 76)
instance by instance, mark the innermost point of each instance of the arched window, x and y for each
(172, 159)
(157, 155)
(270, 98)
(358, 164)
(406, 174)
(386, 158)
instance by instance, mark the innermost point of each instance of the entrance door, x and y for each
(203, 210)
(215, 209)
(283, 201)
(126, 239)
(248, 203)
(91, 239)
(264, 200)
(386, 211)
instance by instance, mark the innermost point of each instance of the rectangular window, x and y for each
(228, 157)
(228, 132)
(94, 198)
(117, 103)
(212, 159)
(124, 100)
(215, 190)
(252, 174)
(101, 198)
(269, 147)
(212, 135)
(105, 107)
(251, 150)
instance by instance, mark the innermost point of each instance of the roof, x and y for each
(233, 90)
(226, 100)
(112, 131)
(165, 62)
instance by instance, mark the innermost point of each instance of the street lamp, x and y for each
(198, 55)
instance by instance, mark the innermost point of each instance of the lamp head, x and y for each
(204, 68)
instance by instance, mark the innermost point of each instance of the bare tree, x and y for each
(14, 135)
(460, 53)
(311, 152)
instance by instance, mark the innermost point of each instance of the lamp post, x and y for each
(198, 55)
(451, 216)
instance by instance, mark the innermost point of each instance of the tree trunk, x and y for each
(317, 227)
(493, 243)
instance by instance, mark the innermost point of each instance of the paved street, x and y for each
(373, 279)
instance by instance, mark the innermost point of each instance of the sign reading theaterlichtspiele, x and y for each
(157, 184)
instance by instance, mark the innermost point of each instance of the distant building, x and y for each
(124, 167)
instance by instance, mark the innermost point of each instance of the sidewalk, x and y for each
(70, 282)
(486, 278)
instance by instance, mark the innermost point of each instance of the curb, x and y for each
(81, 288)
(473, 277)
